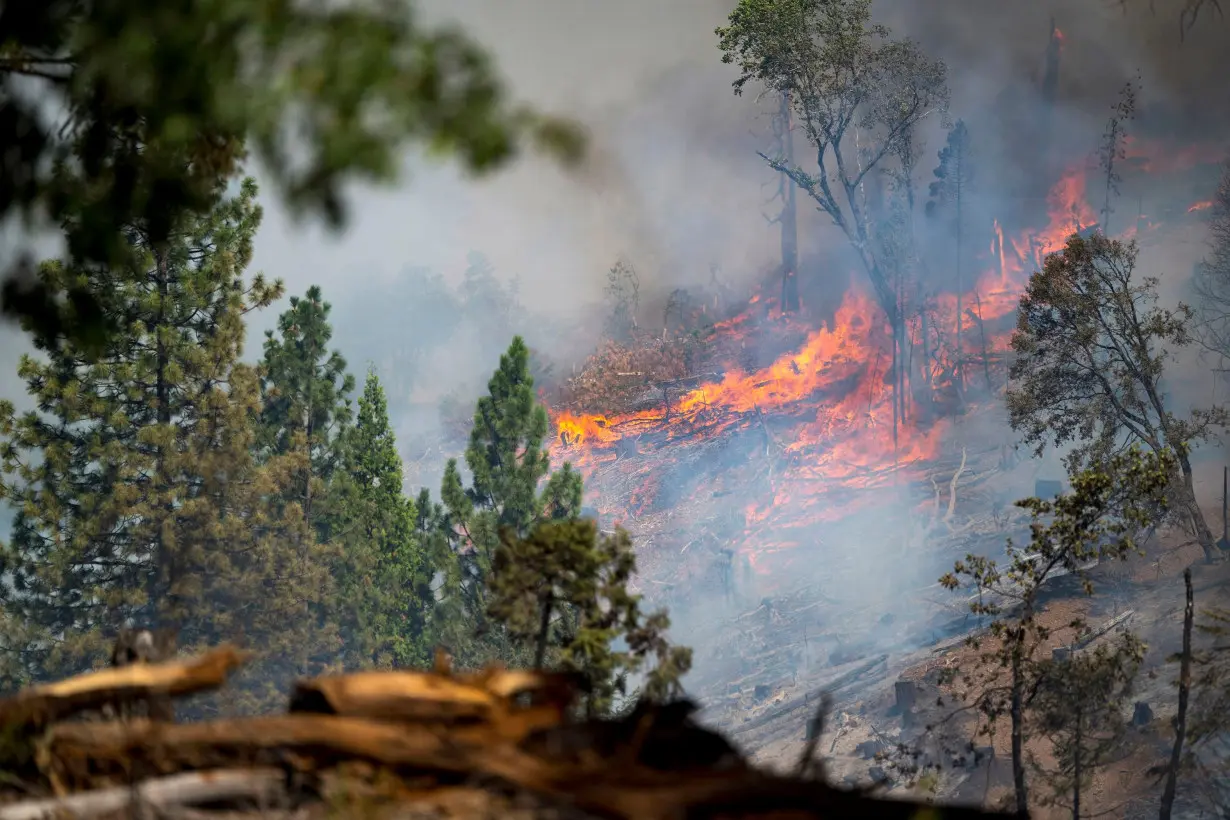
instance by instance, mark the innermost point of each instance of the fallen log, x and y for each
(260, 787)
(76, 754)
(41, 705)
(828, 687)
(1088, 636)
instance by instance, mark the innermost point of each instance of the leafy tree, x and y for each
(305, 388)
(950, 192)
(1079, 702)
(1113, 149)
(623, 293)
(507, 461)
(857, 95)
(1091, 346)
(382, 578)
(566, 578)
(159, 109)
(1097, 521)
(137, 495)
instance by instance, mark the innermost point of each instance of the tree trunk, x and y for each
(1203, 534)
(1076, 766)
(789, 219)
(544, 629)
(1185, 680)
(1017, 713)
(162, 577)
(960, 371)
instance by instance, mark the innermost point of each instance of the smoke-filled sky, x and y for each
(674, 183)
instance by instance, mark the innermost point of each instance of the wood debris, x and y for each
(497, 743)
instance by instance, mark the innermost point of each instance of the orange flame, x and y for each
(834, 393)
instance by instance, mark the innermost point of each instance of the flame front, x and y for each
(830, 400)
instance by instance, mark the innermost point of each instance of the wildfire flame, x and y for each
(832, 395)
(1200, 206)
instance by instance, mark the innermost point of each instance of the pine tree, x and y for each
(383, 580)
(1079, 701)
(507, 461)
(305, 388)
(564, 587)
(137, 494)
(950, 192)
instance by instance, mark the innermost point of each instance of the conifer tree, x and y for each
(565, 588)
(507, 461)
(954, 177)
(305, 388)
(137, 494)
(383, 580)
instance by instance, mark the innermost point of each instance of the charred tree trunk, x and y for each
(788, 219)
(1185, 681)
(544, 630)
(1077, 739)
(1017, 714)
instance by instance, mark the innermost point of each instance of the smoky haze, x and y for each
(674, 185)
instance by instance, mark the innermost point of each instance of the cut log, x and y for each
(40, 705)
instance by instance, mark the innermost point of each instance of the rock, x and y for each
(1142, 715)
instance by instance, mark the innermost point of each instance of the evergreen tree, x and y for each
(507, 461)
(1079, 701)
(137, 495)
(382, 578)
(305, 388)
(565, 588)
(954, 177)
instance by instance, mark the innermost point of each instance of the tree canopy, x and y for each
(114, 114)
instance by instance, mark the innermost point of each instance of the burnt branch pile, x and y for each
(496, 743)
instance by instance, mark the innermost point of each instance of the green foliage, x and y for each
(565, 587)
(1079, 705)
(382, 579)
(1091, 347)
(305, 389)
(841, 73)
(954, 176)
(161, 105)
(1097, 521)
(137, 493)
(507, 459)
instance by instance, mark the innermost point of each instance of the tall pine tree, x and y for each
(507, 461)
(384, 582)
(306, 388)
(950, 192)
(137, 493)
